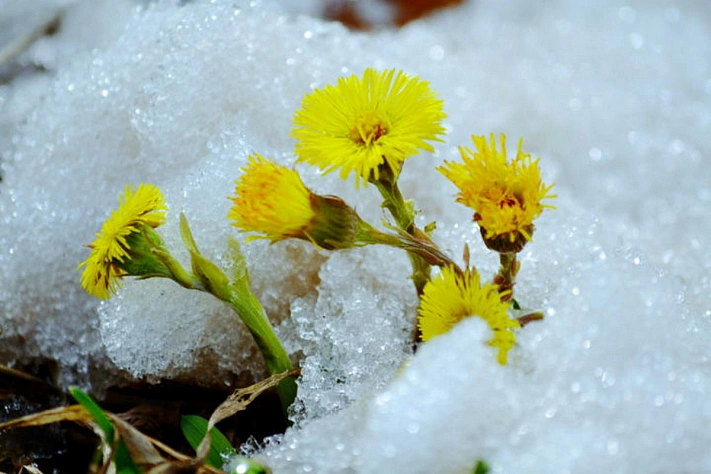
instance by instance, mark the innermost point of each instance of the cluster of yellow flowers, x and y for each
(366, 126)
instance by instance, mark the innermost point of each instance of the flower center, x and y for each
(509, 199)
(368, 127)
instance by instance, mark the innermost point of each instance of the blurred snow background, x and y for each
(615, 97)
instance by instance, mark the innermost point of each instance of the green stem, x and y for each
(252, 314)
(404, 216)
(237, 293)
(395, 203)
(150, 258)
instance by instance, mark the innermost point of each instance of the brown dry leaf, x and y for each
(31, 469)
(139, 445)
(75, 413)
(241, 398)
(142, 448)
(236, 402)
(183, 468)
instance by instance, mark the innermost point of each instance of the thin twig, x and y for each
(21, 43)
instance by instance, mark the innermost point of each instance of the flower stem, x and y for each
(236, 292)
(395, 202)
(506, 278)
(252, 314)
(404, 215)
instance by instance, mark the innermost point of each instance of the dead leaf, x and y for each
(236, 402)
(144, 450)
(139, 445)
(75, 413)
(31, 468)
(241, 398)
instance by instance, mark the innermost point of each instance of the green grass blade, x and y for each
(122, 458)
(194, 428)
(95, 411)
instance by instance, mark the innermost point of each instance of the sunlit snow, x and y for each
(613, 96)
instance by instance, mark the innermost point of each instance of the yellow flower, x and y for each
(271, 200)
(144, 207)
(506, 196)
(451, 297)
(364, 122)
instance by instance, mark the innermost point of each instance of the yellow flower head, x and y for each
(271, 200)
(506, 196)
(364, 122)
(450, 297)
(102, 271)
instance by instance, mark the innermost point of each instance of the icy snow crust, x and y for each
(615, 98)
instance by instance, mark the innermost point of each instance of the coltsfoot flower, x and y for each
(450, 297)
(364, 122)
(272, 201)
(507, 197)
(120, 237)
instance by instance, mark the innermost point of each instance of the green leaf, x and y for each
(480, 468)
(187, 235)
(240, 274)
(96, 413)
(194, 428)
(122, 458)
(213, 280)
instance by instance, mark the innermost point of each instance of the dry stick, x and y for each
(21, 43)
